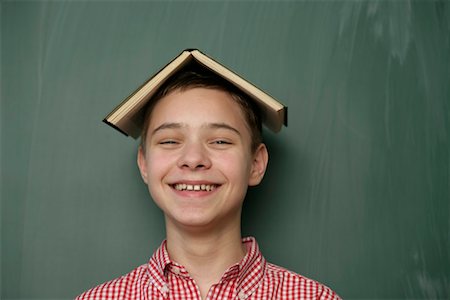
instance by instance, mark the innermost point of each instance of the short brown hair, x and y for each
(194, 76)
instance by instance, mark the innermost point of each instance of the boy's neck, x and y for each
(206, 255)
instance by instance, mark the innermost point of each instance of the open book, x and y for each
(128, 116)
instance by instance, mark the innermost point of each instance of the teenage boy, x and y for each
(201, 147)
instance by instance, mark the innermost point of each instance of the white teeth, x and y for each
(194, 187)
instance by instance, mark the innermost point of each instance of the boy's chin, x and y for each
(191, 221)
(198, 222)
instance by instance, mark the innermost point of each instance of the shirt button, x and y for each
(242, 295)
(164, 289)
(176, 271)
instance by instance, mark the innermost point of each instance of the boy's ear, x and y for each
(142, 164)
(259, 165)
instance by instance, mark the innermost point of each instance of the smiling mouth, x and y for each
(195, 187)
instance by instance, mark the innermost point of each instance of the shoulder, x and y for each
(126, 286)
(296, 286)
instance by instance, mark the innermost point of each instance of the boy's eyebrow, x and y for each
(222, 126)
(208, 125)
(168, 126)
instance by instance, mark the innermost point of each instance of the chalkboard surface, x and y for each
(357, 192)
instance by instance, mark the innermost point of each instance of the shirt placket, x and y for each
(180, 284)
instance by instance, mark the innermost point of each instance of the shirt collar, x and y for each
(157, 267)
(250, 270)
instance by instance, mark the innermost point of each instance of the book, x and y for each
(128, 116)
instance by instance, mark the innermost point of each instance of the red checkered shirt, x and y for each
(252, 278)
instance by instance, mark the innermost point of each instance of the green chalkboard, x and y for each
(357, 191)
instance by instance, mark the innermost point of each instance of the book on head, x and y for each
(128, 116)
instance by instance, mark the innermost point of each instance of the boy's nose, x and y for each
(195, 157)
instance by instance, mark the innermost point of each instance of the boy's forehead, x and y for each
(191, 94)
(204, 105)
(130, 116)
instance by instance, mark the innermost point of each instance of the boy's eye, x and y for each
(168, 143)
(222, 142)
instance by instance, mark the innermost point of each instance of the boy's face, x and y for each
(198, 162)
